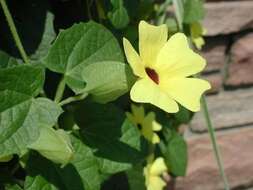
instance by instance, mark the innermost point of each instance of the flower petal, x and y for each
(155, 139)
(131, 118)
(176, 59)
(156, 126)
(133, 59)
(199, 42)
(151, 40)
(186, 91)
(148, 133)
(150, 118)
(146, 91)
(138, 112)
(158, 167)
(148, 126)
(156, 183)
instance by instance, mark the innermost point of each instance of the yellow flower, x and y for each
(147, 124)
(163, 68)
(197, 31)
(153, 172)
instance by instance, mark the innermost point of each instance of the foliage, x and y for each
(63, 121)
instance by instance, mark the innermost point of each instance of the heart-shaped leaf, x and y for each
(20, 113)
(78, 47)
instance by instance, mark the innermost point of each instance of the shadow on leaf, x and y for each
(41, 170)
(106, 130)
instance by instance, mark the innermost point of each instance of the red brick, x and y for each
(227, 109)
(241, 68)
(214, 53)
(228, 17)
(236, 149)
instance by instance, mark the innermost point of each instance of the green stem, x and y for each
(179, 12)
(73, 99)
(88, 9)
(15, 168)
(60, 90)
(162, 147)
(100, 10)
(14, 31)
(214, 143)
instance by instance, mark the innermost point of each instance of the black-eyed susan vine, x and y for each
(83, 110)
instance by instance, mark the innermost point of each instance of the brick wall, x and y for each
(229, 48)
(229, 52)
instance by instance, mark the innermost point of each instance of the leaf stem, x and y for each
(214, 143)
(73, 99)
(14, 31)
(60, 90)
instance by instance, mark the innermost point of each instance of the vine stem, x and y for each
(15, 168)
(179, 12)
(14, 31)
(88, 9)
(73, 99)
(60, 90)
(214, 143)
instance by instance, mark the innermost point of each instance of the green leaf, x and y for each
(47, 37)
(20, 113)
(21, 121)
(146, 8)
(81, 174)
(183, 116)
(78, 47)
(172, 25)
(23, 79)
(125, 151)
(106, 80)
(12, 187)
(116, 181)
(193, 11)
(136, 180)
(118, 16)
(6, 158)
(117, 143)
(6, 60)
(176, 155)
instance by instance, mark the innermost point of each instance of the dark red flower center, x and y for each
(152, 75)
